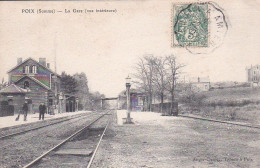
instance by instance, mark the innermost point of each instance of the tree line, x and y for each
(157, 77)
(77, 85)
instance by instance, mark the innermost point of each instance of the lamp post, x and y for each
(128, 101)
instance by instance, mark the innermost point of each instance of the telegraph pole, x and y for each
(55, 77)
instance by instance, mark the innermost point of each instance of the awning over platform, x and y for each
(13, 89)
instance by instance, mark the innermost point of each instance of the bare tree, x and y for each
(156, 76)
(173, 69)
(144, 76)
(159, 79)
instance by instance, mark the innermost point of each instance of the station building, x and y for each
(35, 82)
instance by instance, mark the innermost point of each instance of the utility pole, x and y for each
(55, 77)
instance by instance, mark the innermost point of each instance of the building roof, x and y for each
(132, 90)
(13, 89)
(35, 62)
(35, 80)
(257, 66)
(200, 80)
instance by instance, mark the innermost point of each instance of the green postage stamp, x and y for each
(190, 25)
(198, 27)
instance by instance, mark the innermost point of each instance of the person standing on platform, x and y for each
(17, 118)
(25, 110)
(42, 109)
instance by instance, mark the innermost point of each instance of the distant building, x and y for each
(36, 82)
(137, 99)
(253, 75)
(200, 84)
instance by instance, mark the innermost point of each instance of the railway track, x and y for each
(83, 138)
(39, 127)
(9, 142)
(219, 121)
(99, 142)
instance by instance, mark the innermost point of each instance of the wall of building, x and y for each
(17, 100)
(253, 74)
(137, 102)
(43, 75)
(200, 86)
(38, 94)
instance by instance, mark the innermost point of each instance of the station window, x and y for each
(26, 69)
(26, 84)
(34, 69)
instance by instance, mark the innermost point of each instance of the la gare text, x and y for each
(79, 11)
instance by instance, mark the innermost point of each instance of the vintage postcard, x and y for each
(130, 84)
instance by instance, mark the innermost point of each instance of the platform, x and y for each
(9, 121)
(169, 141)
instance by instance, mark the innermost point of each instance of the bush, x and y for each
(233, 115)
(230, 103)
(192, 97)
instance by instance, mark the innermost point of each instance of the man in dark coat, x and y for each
(25, 110)
(42, 109)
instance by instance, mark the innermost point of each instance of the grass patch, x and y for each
(232, 104)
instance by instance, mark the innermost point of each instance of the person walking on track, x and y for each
(25, 110)
(42, 110)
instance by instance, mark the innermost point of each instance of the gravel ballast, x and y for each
(19, 150)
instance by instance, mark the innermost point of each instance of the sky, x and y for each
(106, 46)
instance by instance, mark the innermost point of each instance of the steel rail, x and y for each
(219, 121)
(99, 142)
(76, 118)
(61, 143)
(32, 129)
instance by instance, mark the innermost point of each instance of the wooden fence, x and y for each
(166, 108)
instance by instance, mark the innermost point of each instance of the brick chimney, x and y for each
(48, 65)
(19, 61)
(42, 61)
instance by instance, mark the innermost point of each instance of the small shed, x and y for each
(71, 104)
(12, 99)
(137, 101)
